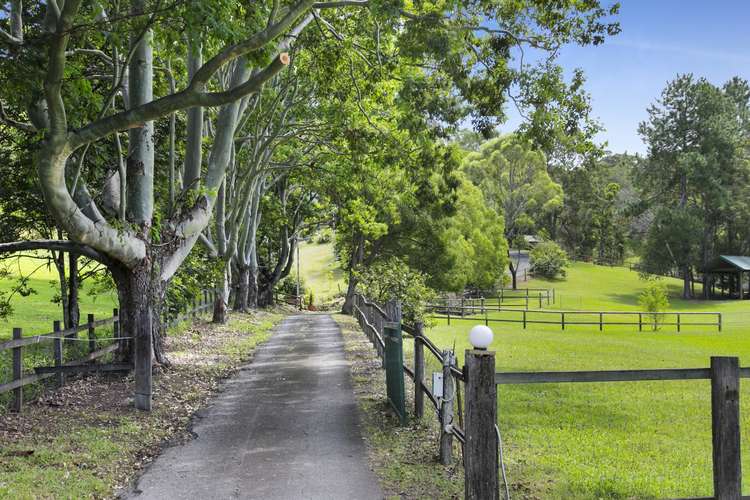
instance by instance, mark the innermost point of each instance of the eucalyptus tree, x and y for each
(95, 75)
(141, 252)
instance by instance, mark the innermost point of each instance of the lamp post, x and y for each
(480, 452)
(299, 299)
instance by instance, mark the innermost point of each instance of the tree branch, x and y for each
(181, 100)
(59, 245)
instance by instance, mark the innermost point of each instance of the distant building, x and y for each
(531, 240)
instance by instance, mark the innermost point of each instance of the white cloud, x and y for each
(715, 55)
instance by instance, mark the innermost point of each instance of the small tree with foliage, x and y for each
(654, 300)
(549, 260)
(392, 279)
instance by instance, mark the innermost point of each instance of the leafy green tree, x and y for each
(103, 88)
(514, 179)
(476, 252)
(697, 160)
(595, 220)
(549, 260)
(655, 300)
(393, 279)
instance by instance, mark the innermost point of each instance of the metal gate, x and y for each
(394, 369)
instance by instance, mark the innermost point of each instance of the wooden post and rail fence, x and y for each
(59, 338)
(487, 301)
(480, 436)
(525, 317)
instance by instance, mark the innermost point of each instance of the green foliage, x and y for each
(324, 236)
(288, 285)
(549, 260)
(514, 179)
(654, 299)
(476, 252)
(392, 279)
(596, 221)
(697, 175)
(196, 274)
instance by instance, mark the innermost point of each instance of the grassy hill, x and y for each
(321, 271)
(36, 312)
(609, 440)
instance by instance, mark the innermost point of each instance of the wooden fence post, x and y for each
(142, 360)
(446, 410)
(480, 452)
(17, 372)
(719, 320)
(678, 322)
(640, 322)
(562, 320)
(524, 320)
(418, 371)
(601, 321)
(92, 334)
(725, 420)
(57, 346)
(540, 300)
(482, 302)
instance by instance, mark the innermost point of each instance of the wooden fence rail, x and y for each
(595, 318)
(724, 374)
(494, 301)
(371, 318)
(59, 337)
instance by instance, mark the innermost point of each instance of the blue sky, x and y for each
(659, 39)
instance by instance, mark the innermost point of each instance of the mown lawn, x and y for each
(611, 440)
(36, 312)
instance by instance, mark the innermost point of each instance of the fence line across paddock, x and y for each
(525, 317)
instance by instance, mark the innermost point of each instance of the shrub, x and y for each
(654, 299)
(288, 285)
(324, 236)
(549, 260)
(393, 279)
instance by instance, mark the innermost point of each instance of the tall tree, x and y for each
(516, 184)
(697, 157)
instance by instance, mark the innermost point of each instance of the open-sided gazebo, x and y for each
(728, 273)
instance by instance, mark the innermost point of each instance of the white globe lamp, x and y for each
(481, 337)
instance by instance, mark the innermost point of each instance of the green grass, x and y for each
(36, 312)
(321, 271)
(613, 440)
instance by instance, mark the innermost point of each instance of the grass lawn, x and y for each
(609, 440)
(36, 312)
(320, 271)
